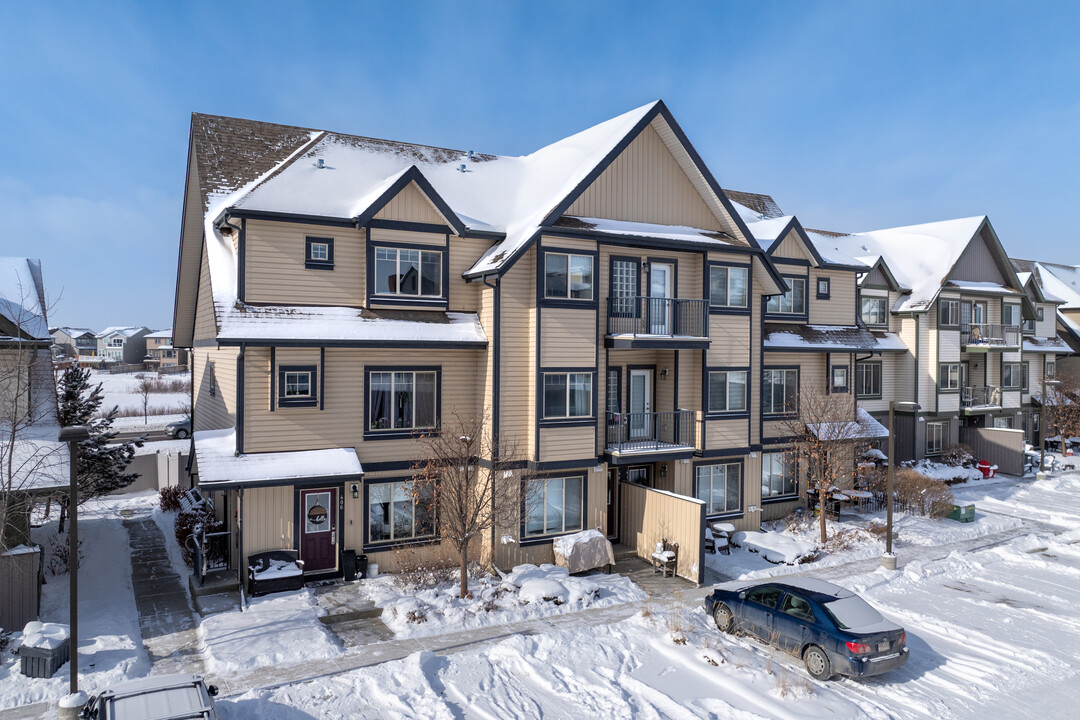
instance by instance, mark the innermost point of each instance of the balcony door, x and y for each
(661, 288)
(640, 404)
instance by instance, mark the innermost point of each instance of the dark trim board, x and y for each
(305, 482)
(379, 344)
(646, 458)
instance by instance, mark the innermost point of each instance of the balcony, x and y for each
(631, 435)
(977, 399)
(655, 322)
(984, 337)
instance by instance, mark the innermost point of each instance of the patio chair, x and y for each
(665, 558)
(710, 541)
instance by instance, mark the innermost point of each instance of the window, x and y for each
(779, 391)
(1014, 376)
(823, 288)
(567, 395)
(779, 474)
(211, 379)
(639, 475)
(949, 376)
(720, 487)
(557, 508)
(840, 378)
(1010, 314)
(168, 353)
(614, 382)
(797, 607)
(949, 313)
(567, 276)
(1035, 422)
(936, 433)
(1051, 370)
(868, 380)
(402, 399)
(402, 271)
(767, 596)
(728, 286)
(116, 342)
(873, 311)
(1003, 422)
(399, 511)
(624, 287)
(319, 254)
(727, 391)
(296, 385)
(972, 313)
(793, 302)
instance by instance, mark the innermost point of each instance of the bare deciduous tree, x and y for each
(828, 435)
(146, 388)
(467, 482)
(1061, 408)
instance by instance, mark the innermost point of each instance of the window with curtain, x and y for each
(727, 391)
(402, 400)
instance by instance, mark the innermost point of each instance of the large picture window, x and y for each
(720, 487)
(297, 386)
(793, 302)
(395, 515)
(873, 311)
(408, 272)
(779, 391)
(779, 475)
(402, 400)
(568, 276)
(728, 286)
(868, 379)
(558, 506)
(567, 395)
(727, 391)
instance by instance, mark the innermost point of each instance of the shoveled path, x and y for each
(165, 613)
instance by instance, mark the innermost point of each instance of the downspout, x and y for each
(494, 409)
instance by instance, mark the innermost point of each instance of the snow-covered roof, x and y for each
(864, 426)
(74, 331)
(985, 288)
(218, 464)
(1046, 345)
(39, 459)
(125, 330)
(1061, 281)
(348, 325)
(771, 230)
(22, 296)
(829, 338)
(161, 334)
(651, 230)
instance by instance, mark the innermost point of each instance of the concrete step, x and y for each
(216, 581)
(362, 611)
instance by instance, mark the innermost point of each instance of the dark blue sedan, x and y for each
(833, 630)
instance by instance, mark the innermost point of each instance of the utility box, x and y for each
(44, 649)
(963, 513)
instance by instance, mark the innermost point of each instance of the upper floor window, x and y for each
(568, 276)
(949, 313)
(727, 391)
(567, 395)
(868, 380)
(1014, 376)
(778, 474)
(116, 342)
(728, 286)
(972, 313)
(793, 302)
(408, 272)
(949, 376)
(211, 379)
(873, 311)
(402, 399)
(557, 508)
(319, 253)
(1010, 314)
(1028, 326)
(296, 386)
(720, 487)
(779, 391)
(1051, 370)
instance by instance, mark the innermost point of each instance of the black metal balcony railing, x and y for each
(980, 397)
(658, 316)
(987, 335)
(650, 432)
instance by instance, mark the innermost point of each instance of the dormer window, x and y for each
(793, 302)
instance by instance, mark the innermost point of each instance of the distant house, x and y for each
(160, 351)
(74, 342)
(123, 344)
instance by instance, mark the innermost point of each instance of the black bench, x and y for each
(275, 571)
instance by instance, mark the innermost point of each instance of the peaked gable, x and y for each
(411, 205)
(977, 263)
(790, 246)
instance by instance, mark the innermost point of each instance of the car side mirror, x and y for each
(212, 690)
(742, 595)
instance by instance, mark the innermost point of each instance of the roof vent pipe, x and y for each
(320, 163)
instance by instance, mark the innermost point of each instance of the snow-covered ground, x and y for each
(122, 391)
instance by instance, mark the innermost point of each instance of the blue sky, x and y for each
(852, 115)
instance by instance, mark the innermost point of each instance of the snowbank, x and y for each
(44, 636)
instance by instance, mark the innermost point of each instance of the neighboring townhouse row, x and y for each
(160, 352)
(638, 334)
(123, 344)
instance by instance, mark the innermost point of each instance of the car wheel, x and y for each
(817, 663)
(181, 434)
(724, 619)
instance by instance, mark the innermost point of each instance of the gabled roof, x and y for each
(22, 299)
(125, 330)
(167, 333)
(1060, 281)
(774, 231)
(763, 206)
(74, 331)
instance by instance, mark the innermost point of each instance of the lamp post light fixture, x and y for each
(888, 560)
(73, 435)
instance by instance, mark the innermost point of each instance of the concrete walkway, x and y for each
(165, 613)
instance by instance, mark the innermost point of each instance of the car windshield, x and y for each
(852, 612)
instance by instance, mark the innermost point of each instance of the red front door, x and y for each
(318, 529)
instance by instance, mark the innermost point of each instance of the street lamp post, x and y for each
(73, 436)
(888, 560)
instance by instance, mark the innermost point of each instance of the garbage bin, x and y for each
(348, 565)
(986, 469)
(362, 566)
(963, 513)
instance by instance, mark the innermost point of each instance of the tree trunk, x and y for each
(463, 553)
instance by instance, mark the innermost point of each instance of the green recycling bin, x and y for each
(962, 513)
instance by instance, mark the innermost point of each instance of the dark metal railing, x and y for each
(990, 335)
(658, 316)
(653, 431)
(980, 396)
(211, 551)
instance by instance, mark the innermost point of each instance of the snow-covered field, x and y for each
(122, 391)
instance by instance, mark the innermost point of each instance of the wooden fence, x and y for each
(120, 368)
(647, 516)
(172, 369)
(1003, 447)
(20, 587)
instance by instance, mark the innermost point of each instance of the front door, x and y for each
(660, 303)
(612, 502)
(318, 529)
(640, 405)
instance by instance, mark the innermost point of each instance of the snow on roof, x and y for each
(22, 296)
(986, 288)
(1062, 281)
(161, 334)
(125, 330)
(864, 426)
(286, 322)
(74, 331)
(663, 232)
(830, 338)
(831, 253)
(920, 257)
(218, 463)
(1046, 345)
(39, 459)
(768, 231)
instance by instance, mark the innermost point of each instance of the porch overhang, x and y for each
(656, 342)
(220, 468)
(631, 457)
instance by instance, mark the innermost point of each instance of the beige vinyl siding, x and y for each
(567, 337)
(689, 379)
(976, 263)
(205, 317)
(727, 434)
(948, 345)
(1047, 327)
(1012, 399)
(485, 360)
(187, 300)
(463, 296)
(645, 184)
(411, 205)
(928, 372)
(791, 247)
(517, 356)
(811, 375)
(274, 265)
(895, 381)
(412, 237)
(267, 519)
(561, 444)
(552, 241)
(217, 411)
(755, 362)
(731, 340)
(840, 308)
